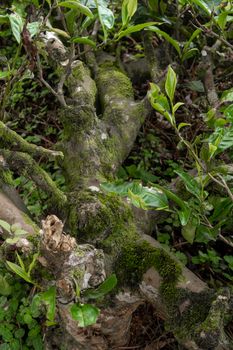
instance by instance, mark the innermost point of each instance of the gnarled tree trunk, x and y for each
(108, 233)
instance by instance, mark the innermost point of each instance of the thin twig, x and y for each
(49, 87)
(64, 76)
(222, 184)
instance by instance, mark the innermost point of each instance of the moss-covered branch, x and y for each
(11, 140)
(24, 165)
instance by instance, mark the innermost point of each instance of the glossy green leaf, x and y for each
(106, 17)
(170, 83)
(119, 188)
(203, 5)
(103, 289)
(167, 37)
(19, 271)
(141, 196)
(77, 6)
(128, 9)
(134, 29)
(85, 314)
(16, 23)
(84, 40)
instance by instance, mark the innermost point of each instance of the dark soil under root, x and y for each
(148, 332)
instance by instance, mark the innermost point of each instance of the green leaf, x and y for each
(85, 314)
(185, 211)
(203, 5)
(33, 28)
(17, 230)
(49, 298)
(184, 215)
(4, 19)
(60, 32)
(141, 196)
(176, 106)
(228, 113)
(12, 240)
(196, 85)
(170, 84)
(103, 289)
(167, 37)
(77, 6)
(20, 261)
(128, 9)
(190, 53)
(192, 37)
(106, 17)
(5, 288)
(229, 260)
(188, 231)
(16, 23)
(84, 40)
(190, 183)
(182, 125)
(212, 150)
(221, 19)
(205, 234)
(32, 264)
(222, 209)
(19, 271)
(5, 74)
(227, 140)
(117, 187)
(5, 226)
(133, 29)
(227, 95)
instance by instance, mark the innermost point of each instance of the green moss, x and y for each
(6, 176)
(95, 216)
(113, 84)
(81, 85)
(137, 258)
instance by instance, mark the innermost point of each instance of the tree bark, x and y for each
(108, 237)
